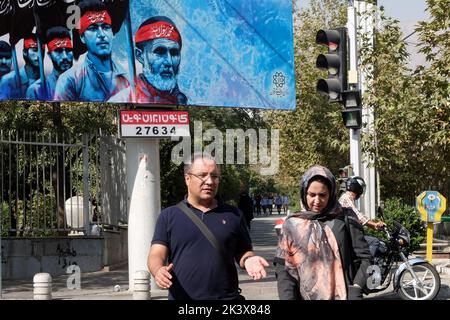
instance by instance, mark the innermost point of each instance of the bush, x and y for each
(396, 210)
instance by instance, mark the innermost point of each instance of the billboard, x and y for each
(223, 53)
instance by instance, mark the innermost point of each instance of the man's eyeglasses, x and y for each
(204, 176)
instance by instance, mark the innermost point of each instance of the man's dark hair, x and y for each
(57, 32)
(91, 5)
(30, 36)
(189, 161)
(5, 49)
(141, 45)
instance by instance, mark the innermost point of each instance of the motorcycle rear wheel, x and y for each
(426, 288)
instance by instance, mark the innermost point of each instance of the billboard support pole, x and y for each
(144, 201)
(355, 137)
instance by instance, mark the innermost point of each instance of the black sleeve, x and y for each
(361, 253)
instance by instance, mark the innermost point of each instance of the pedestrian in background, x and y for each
(278, 203)
(245, 204)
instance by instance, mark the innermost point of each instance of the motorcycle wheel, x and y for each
(426, 288)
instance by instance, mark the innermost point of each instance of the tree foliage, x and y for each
(313, 133)
(410, 138)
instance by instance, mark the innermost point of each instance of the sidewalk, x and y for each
(100, 285)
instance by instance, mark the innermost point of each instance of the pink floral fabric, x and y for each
(312, 257)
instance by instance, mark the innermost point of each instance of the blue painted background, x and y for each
(235, 52)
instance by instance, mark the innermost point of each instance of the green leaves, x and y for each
(412, 107)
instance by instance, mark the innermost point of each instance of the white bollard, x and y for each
(42, 283)
(141, 289)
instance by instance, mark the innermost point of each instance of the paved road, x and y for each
(100, 285)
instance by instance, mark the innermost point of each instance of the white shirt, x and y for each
(346, 201)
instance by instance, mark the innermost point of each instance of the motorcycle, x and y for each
(413, 279)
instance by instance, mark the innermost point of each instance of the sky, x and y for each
(408, 12)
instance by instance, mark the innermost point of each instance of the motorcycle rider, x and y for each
(355, 187)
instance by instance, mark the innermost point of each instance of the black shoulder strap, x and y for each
(203, 228)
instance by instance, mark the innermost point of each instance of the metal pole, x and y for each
(144, 198)
(368, 169)
(355, 147)
(87, 229)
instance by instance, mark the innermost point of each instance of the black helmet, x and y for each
(357, 185)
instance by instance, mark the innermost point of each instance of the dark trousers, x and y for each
(288, 288)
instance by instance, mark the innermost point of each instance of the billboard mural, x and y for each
(224, 53)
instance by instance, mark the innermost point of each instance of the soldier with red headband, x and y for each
(60, 51)
(98, 77)
(5, 58)
(158, 49)
(28, 74)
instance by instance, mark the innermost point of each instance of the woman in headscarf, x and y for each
(323, 248)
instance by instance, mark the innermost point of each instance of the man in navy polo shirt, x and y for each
(195, 269)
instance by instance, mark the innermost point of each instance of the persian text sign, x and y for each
(155, 124)
(216, 53)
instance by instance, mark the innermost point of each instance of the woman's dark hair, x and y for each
(321, 179)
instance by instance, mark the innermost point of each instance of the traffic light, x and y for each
(352, 114)
(336, 85)
(335, 62)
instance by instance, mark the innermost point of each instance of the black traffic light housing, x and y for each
(335, 62)
(336, 85)
(352, 113)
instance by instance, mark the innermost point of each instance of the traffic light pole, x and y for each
(355, 148)
(357, 17)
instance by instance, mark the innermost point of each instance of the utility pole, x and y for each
(355, 148)
(359, 16)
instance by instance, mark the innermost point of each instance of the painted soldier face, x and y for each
(98, 39)
(161, 61)
(31, 57)
(5, 65)
(62, 59)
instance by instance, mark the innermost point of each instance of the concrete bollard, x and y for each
(42, 283)
(141, 289)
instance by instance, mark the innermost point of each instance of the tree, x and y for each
(313, 133)
(63, 122)
(411, 135)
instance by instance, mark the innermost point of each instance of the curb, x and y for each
(444, 269)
